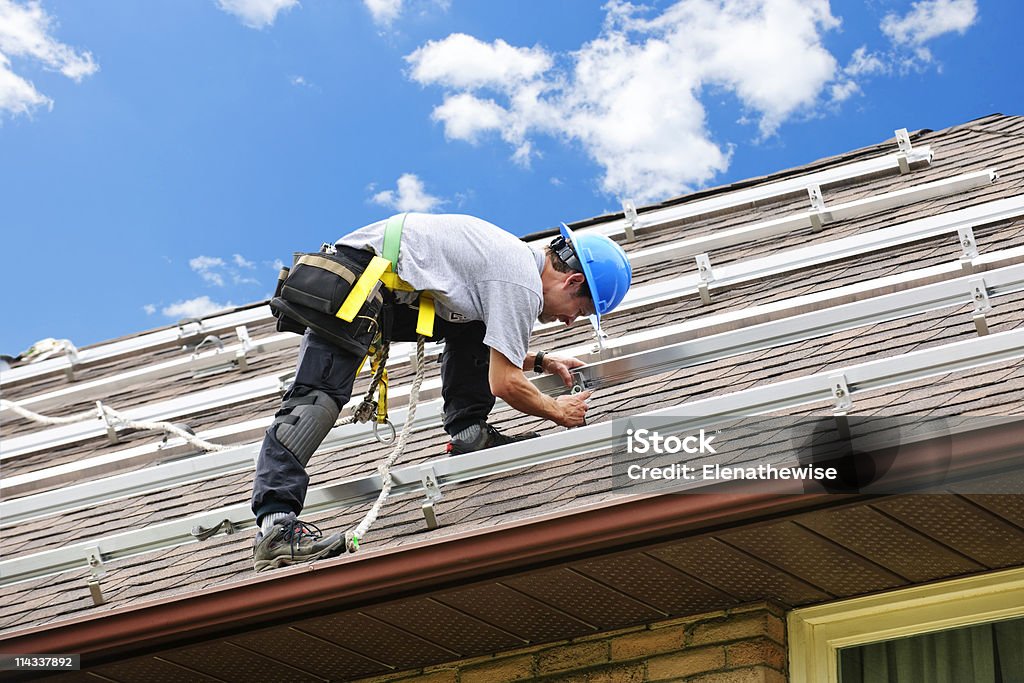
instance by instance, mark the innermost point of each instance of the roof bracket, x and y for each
(841, 392)
(599, 337)
(189, 329)
(844, 403)
(111, 422)
(903, 140)
(72, 355)
(241, 361)
(202, 533)
(817, 206)
(94, 559)
(629, 211)
(979, 297)
(96, 592)
(970, 248)
(706, 277)
(428, 477)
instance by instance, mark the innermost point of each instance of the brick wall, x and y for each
(741, 645)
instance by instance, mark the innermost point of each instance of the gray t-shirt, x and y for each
(474, 269)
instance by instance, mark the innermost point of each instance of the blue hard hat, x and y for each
(604, 264)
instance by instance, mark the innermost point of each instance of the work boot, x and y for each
(291, 541)
(481, 435)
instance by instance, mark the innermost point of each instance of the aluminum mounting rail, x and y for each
(735, 199)
(435, 474)
(634, 356)
(659, 292)
(669, 252)
(811, 219)
(147, 454)
(132, 346)
(953, 222)
(231, 357)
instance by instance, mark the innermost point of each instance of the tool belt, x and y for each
(342, 300)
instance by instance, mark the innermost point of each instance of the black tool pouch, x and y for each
(311, 292)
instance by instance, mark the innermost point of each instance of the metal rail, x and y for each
(723, 322)
(915, 366)
(730, 275)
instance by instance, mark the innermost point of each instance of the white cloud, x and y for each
(208, 269)
(241, 261)
(410, 195)
(150, 309)
(194, 308)
(843, 91)
(632, 96)
(462, 61)
(465, 117)
(277, 265)
(25, 34)
(256, 13)
(864, 63)
(929, 19)
(384, 11)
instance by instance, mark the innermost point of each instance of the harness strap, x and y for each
(384, 269)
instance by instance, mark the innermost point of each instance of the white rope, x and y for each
(353, 537)
(106, 413)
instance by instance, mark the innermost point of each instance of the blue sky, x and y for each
(157, 158)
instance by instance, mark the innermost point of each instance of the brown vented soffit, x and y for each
(420, 568)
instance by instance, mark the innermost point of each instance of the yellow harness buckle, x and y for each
(362, 289)
(425, 318)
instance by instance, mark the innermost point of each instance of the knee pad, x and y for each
(304, 421)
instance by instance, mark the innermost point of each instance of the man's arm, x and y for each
(510, 385)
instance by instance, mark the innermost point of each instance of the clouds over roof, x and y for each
(632, 96)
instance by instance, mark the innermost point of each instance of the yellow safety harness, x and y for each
(382, 270)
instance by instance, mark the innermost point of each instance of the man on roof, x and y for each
(488, 288)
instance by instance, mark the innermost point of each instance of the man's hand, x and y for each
(508, 383)
(557, 365)
(573, 409)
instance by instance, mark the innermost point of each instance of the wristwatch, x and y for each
(538, 362)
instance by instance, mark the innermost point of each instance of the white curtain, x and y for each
(987, 653)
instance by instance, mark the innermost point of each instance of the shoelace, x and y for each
(296, 530)
(499, 439)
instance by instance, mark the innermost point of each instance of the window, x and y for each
(942, 625)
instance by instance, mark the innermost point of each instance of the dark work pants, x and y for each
(281, 481)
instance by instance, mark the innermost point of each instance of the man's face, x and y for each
(562, 304)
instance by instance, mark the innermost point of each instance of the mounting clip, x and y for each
(903, 140)
(111, 422)
(94, 559)
(629, 212)
(599, 338)
(241, 359)
(979, 297)
(817, 206)
(186, 331)
(706, 277)
(428, 477)
(843, 404)
(71, 353)
(969, 245)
